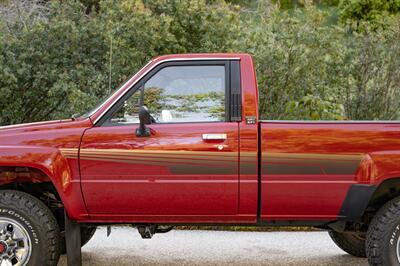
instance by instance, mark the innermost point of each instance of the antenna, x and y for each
(110, 66)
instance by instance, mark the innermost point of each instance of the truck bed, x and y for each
(307, 168)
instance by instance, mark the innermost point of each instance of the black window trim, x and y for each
(228, 77)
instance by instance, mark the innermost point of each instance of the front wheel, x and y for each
(29, 233)
(383, 237)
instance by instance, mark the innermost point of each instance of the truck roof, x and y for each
(199, 55)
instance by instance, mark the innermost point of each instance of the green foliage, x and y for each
(297, 57)
(311, 107)
(67, 55)
(290, 4)
(368, 10)
(372, 80)
(308, 70)
(141, 30)
(50, 73)
(61, 65)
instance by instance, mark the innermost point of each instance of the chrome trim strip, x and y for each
(33, 124)
(145, 73)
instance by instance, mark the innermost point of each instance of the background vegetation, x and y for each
(327, 59)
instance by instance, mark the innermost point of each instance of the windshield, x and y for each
(102, 102)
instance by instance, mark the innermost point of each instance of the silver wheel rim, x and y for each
(15, 243)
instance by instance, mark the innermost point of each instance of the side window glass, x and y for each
(186, 94)
(179, 94)
(129, 111)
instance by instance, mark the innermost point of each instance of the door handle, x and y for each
(214, 136)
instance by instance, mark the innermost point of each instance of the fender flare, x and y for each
(374, 172)
(55, 166)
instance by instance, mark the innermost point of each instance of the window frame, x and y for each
(140, 85)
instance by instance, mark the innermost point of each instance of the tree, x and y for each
(62, 64)
(368, 10)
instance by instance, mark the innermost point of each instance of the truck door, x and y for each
(186, 168)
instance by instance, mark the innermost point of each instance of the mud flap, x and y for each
(356, 202)
(73, 242)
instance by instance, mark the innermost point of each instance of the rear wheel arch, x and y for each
(385, 191)
(363, 200)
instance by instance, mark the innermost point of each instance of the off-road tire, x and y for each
(39, 222)
(87, 232)
(354, 244)
(383, 235)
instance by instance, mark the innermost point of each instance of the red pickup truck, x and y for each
(181, 142)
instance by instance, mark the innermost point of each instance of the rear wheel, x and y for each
(352, 243)
(29, 233)
(383, 238)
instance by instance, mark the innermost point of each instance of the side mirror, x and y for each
(144, 115)
(145, 119)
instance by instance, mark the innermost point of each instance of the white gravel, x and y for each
(125, 247)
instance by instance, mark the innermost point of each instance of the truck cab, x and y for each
(194, 163)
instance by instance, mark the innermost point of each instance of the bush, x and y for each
(55, 68)
(296, 60)
(55, 60)
(309, 70)
(60, 65)
(368, 10)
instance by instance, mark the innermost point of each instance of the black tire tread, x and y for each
(38, 212)
(378, 231)
(349, 245)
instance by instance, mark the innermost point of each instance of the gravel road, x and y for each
(125, 247)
